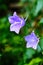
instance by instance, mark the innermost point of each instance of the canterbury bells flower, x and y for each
(16, 23)
(32, 40)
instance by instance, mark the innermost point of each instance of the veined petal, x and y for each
(22, 22)
(15, 27)
(32, 40)
(32, 36)
(32, 44)
(11, 19)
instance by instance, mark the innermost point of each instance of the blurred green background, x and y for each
(12, 46)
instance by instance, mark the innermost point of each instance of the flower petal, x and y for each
(15, 27)
(14, 13)
(11, 19)
(32, 36)
(22, 22)
(31, 45)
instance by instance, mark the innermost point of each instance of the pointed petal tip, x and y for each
(14, 13)
(14, 31)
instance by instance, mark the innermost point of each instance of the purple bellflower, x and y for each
(32, 40)
(16, 23)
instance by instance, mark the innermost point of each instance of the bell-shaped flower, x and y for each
(32, 40)
(16, 23)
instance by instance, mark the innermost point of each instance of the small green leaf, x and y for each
(41, 21)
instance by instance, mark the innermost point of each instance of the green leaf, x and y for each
(38, 7)
(41, 21)
(34, 61)
(38, 48)
(29, 53)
